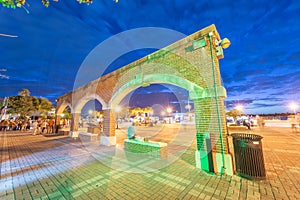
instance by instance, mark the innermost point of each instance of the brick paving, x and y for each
(38, 167)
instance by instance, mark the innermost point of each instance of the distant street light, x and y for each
(239, 107)
(117, 110)
(294, 107)
(169, 111)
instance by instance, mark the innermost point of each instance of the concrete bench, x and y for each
(89, 137)
(150, 148)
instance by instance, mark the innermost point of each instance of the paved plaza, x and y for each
(38, 167)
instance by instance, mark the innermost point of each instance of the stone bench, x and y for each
(89, 137)
(150, 148)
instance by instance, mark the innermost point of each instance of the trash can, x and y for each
(249, 159)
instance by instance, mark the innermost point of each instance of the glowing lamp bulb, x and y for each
(239, 107)
(225, 43)
(293, 106)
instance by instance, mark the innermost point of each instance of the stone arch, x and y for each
(153, 79)
(61, 108)
(81, 102)
(191, 63)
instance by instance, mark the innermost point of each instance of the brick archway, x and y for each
(191, 63)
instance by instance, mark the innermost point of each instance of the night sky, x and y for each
(261, 68)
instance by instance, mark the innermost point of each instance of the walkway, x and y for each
(37, 167)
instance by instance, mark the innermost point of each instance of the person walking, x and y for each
(35, 127)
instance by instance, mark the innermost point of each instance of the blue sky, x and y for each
(261, 68)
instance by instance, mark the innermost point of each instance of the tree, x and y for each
(20, 105)
(234, 113)
(21, 3)
(25, 105)
(24, 93)
(41, 105)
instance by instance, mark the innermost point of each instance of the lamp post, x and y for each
(117, 110)
(239, 107)
(188, 107)
(169, 111)
(225, 43)
(294, 107)
(90, 115)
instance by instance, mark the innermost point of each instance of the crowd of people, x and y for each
(40, 126)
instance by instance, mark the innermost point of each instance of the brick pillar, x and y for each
(57, 120)
(211, 127)
(108, 137)
(202, 109)
(74, 125)
(57, 123)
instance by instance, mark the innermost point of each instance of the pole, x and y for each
(117, 120)
(217, 104)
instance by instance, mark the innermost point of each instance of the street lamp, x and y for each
(169, 111)
(117, 110)
(188, 107)
(239, 107)
(294, 107)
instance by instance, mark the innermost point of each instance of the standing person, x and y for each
(24, 125)
(44, 126)
(5, 125)
(35, 127)
(64, 123)
(294, 124)
(13, 125)
(80, 124)
(131, 132)
(100, 125)
(50, 125)
(20, 125)
(28, 125)
(245, 123)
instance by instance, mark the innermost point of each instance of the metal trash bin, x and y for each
(248, 155)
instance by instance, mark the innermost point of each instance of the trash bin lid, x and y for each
(246, 136)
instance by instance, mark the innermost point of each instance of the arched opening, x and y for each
(63, 118)
(160, 113)
(91, 117)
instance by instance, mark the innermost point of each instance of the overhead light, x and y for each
(225, 43)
